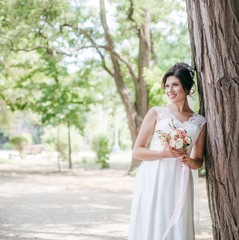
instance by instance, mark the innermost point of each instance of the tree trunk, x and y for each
(135, 109)
(69, 145)
(58, 149)
(214, 33)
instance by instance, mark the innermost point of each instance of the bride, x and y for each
(162, 204)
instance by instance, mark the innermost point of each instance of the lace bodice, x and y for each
(193, 126)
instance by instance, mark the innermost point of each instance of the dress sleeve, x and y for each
(200, 121)
(159, 111)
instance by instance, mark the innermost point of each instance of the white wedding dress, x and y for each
(162, 204)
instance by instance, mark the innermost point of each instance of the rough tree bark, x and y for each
(135, 109)
(214, 33)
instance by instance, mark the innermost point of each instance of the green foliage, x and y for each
(28, 24)
(3, 137)
(7, 119)
(41, 41)
(102, 148)
(7, 146)
(48, 90)
(55, 138)
(156, 92)
(54, 28)
(20, 141)
(34, 77)
(202, 171)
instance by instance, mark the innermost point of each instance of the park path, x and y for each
(37, 202)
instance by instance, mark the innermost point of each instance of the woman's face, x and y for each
(174, 89)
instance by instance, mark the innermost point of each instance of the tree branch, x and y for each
(92, 46)
(11, 47)
(129, 68)
(123, 91)
(68, 25)
(104, 63)
(131, 13)
(97, 47)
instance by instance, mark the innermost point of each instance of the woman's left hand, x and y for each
(185, 159)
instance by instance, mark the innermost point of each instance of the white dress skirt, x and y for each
(162, 204)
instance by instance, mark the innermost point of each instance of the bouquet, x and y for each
(175, 138)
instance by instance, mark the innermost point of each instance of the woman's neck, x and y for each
(180, 107)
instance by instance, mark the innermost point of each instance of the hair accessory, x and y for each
(191, 72)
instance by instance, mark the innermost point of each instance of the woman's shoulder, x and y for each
(199, 119)
(161, 111)
(158, 109)
(200, 116)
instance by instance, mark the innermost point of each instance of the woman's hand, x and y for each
(174, 153)
(193, 163)
(185, 159)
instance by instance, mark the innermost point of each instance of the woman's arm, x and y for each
(195, 161)
(140, 150)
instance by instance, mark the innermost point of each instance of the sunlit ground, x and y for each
(86, 203)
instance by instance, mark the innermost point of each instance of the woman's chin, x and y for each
(172, 100)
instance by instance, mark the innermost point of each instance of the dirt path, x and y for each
(71, 205)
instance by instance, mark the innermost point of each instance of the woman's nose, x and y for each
(170, 89)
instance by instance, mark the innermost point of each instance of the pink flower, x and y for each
(175, 138)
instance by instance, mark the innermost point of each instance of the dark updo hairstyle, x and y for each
(184, 73)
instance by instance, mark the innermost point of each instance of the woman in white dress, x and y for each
(162, 205)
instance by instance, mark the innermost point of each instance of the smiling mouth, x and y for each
(172, 95)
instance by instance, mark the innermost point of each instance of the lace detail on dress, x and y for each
(162, 112)
(159, 110)
(196, 119)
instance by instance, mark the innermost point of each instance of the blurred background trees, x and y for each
(94, 67)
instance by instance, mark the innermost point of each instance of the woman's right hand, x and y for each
(174, 153)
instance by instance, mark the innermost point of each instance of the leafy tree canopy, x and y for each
(42, 40)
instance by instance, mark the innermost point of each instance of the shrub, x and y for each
(102, 148)
(20, 141)
(7, 146)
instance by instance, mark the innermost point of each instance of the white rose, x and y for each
(176, 143)
(179, 143)
(187, 139)
(173, 133)
(172, 143)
